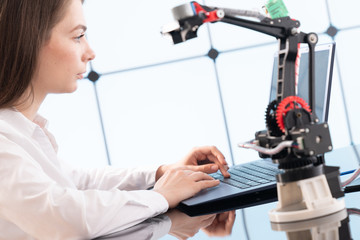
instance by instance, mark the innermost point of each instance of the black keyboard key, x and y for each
(249, 174)
(234, 183)
(254, 177)
(258, 174)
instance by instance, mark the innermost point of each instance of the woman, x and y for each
(43, 50)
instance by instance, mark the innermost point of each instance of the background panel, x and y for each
(156, 115)
(347, 53)
(344, 14)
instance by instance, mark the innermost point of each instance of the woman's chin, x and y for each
(68, 89)
(73, 88)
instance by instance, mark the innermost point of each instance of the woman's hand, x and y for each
(222, 225)
(181, 183)
(207, 159)
(184, 227)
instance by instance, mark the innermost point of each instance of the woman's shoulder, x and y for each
(13, 123)
(6, 120)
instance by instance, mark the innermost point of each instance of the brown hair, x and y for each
(25, 26)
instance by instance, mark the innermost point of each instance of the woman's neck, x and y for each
(30, 106)
(29, 112)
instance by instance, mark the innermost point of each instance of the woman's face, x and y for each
(63, 59)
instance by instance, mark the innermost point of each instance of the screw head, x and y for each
(294, 31)
(220, 13)
(312, 38)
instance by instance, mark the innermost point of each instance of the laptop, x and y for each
(254, 183)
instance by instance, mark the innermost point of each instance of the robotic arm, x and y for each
(288, 117)
(294, 138)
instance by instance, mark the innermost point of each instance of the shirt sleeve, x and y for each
(44, 209)
(107, 178)
(151, 229)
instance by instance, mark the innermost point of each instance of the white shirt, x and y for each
(151, 229)
(42, 198)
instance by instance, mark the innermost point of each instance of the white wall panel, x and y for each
(156, 115)
(344, 14)
(349, 64)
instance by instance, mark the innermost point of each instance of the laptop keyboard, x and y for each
(249, 174)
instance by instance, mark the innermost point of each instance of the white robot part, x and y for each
(305, 199)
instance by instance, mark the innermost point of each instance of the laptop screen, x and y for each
(324, 60)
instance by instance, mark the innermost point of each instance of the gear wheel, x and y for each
(270, 118)
(287, 104)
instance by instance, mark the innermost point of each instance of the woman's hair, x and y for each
(25, 26)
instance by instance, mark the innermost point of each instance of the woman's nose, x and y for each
(89, 53)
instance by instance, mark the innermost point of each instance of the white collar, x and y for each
(25, 125)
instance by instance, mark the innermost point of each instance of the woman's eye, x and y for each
(79, 37)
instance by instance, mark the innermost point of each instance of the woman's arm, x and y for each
(206, 159)
(109, 177)
(46, 209)
(41, 200)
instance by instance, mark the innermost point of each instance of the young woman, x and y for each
(43, 50)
